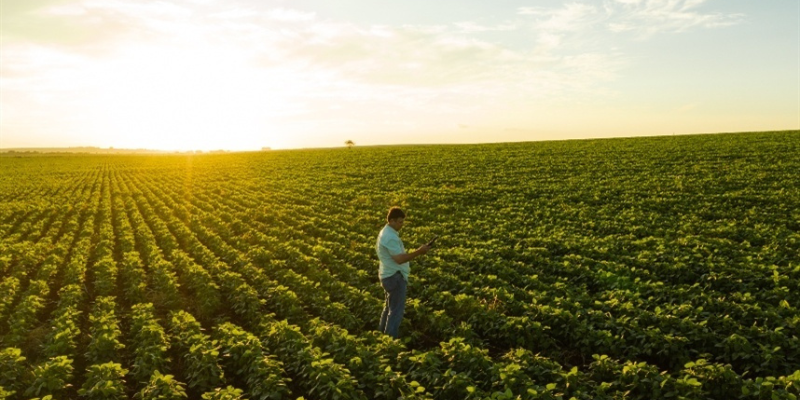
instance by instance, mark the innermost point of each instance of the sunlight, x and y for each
(215, 75)
(189, 98)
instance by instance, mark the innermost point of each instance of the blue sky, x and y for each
(243, 74)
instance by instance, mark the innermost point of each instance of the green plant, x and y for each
(150, 343)
(104, 332)
(12, 368)
(50, 377)
(262, 373)
(228, 393)
(162, 387)
(104, 381)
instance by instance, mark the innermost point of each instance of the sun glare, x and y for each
(190, 98)
(215, 75)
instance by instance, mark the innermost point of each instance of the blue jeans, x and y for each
(395, 289)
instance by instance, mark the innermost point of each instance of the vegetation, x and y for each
(641, 268)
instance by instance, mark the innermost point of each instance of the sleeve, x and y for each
(393, 246)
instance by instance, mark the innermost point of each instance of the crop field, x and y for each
(640, 268)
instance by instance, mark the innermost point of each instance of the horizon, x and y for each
(242, 75)
(198, 151)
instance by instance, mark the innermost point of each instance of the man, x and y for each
(393, 270)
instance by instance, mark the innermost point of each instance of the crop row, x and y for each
(254, 274)
(672, 350)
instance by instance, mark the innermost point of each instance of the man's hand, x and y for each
(423, 249)
(406, 257)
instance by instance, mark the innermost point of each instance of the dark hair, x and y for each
(394, 213)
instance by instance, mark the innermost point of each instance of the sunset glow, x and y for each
(242, 75)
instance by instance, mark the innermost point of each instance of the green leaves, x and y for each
(104, 381)
(228, 393)
(646, 268)
(50, 377)
(105, 272)
(318, 374)
(104, 332)
(200, 353)
(150, 343)
(63, 338)
(162, 387)
(245, 355)
(12, 368)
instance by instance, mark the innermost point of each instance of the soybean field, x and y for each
(637, 268)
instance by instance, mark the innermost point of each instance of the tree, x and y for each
(349, 144)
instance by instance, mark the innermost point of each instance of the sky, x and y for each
(247, 74)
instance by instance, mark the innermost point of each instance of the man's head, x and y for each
(395, 218)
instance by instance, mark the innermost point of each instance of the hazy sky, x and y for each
(244, 74)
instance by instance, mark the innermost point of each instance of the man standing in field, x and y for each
(393, 270)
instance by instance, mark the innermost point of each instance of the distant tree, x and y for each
(349, 144)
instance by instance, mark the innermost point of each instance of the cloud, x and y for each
(409, 56)
(652, 17)
(412, 56)
(283, 14)
(301, 67)
(470, 27)
(571, 17)
(92, 27)
(644, 18)
(445, 68)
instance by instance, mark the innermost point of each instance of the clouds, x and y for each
(447, 54)
(641, 18)
(401, 67)
(300, 70)
(571, 17)
(650, 17)
(470, 26)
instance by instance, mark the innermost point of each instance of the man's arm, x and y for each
(406, 257)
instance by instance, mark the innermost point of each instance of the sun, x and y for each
(190, 97)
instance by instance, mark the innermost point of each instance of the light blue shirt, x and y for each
(388, 245)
